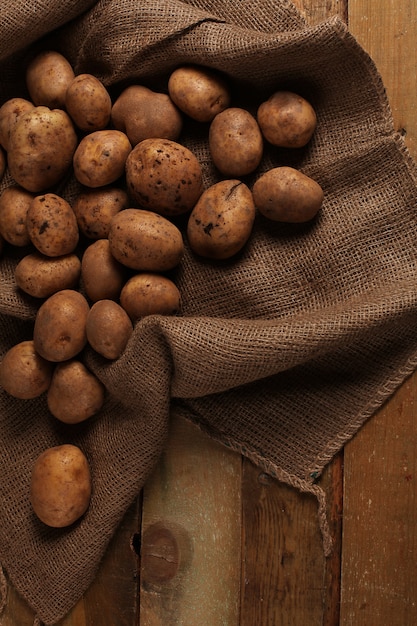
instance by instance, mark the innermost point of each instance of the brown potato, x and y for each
(41, 148)
(100, 157)
(285, 194)
(52, 225)
(108, 328)
(142, 113)
(75, 394)
(236, 142)
(47, 78)
(88, 103)
(14, 205)
(150, 294)
(60, 485)
(102, 275)
(24, 374)
(59, 330)
(164, 176)
(198, 91)
(10, 111)
(40, 276)
(287, 120)
(145, 241)
(221, 222)
(95, 208)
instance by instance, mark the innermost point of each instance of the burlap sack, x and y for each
(281, 353)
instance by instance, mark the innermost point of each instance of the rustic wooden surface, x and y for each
(214, 541)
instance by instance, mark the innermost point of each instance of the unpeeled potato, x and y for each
(149, 294)
(24, 374)
(108, 328)
(40, 276)
(51, 225)
(14, 205)
(10, 111)
(100, 157)
(88, 103)
(95, 208)
(102, 275)
(287, 120)
(48, 76)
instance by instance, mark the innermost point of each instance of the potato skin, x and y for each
(142, 113)
(47, 78)
(145, 241)
(100, 157)
(150, 294)
(24, 374)
(10, 111)
(75, 394)
(285, 194)
(95, 208)
(221, 222)
(14, 205)
(52, 225)
(287, 120)
(102, 275)
(59, 331)
(60, 485)
(88, 103)
(40, 276)
(109, 328)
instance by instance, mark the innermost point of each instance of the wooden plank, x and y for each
(191, 537)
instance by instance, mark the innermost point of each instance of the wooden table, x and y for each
(250, 548)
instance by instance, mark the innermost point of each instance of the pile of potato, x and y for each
(100, 264)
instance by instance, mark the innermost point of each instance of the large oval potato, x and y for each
(10, 111)
(285, 194)
(60, 485)
(164, 176)
(287, 120)
(102, 275)
(24, 374)
(146, 241)
(52, 225)
(40, 276)
(150, 294)
(75, 394)
(142, 113)
(100, 157)
(14, 205)
(47, 78)
(59, 330)
(221, 222)
(88, 103)
(109, 328)
(95, 208)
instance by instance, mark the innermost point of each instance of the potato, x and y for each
(24, 374)
(287, 120)
(285, 194)
(145, 241)
(149, 294)
(60, 485)
(14, 205)
(142, 113)
(221, 222)
(47, 78)
(236, 142)
(102, 275)
(52, 225)
(100, 157)
(95, 208)
(40, 276)
(199, 92)
(88, 103)
(164, 176)
(75, 394)
(108, 328)
(41, 148)
(59, 329)
(10, 111)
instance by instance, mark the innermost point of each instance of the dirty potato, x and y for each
(10, 111)
(100, 157)
(24, 374)
(47, 78)
(102, 275)
(149, 294)
(88, 103)
(14, 205)
(52, 225)
(287, 120)
(109, 328)
(95, 208)
(40, 276)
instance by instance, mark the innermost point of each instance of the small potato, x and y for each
(285, 194)
(199, 92)
(149, 294)
(95, 208)
(52, 225)
(164, 176)
(40, 276)
(47, 78)
(108, 329)
(236, 142)
(88, 103)
(10, 111)
(41, 148)
(100, 157)
(221, 222)
(145, 241)
(287, 120)
(59, 330)
(142, 113)
(60, 485)
(102, 275)
(75, 394)
(14, 205)
(24, 374)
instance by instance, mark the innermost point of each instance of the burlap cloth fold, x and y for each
(281, 353)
